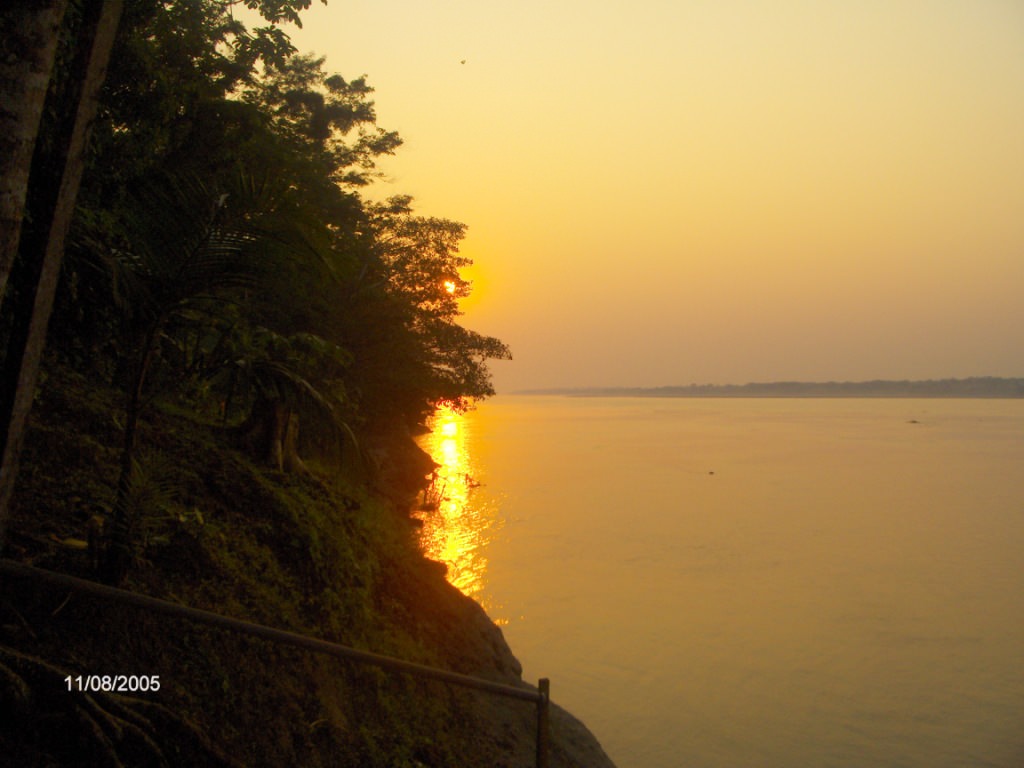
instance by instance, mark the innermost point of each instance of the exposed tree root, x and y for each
(61, 727)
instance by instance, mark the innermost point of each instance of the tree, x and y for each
(222, 252)
(411, 289)
(284, 378)
(57, 191)
(29, 47)
(185, 250)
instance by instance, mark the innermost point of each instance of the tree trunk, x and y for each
(290, 461)
(52, 221)
(271, 435)
(30, 30)
(119, 548)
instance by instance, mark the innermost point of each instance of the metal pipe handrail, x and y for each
(540, 697)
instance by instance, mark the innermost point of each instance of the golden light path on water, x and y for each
(458, 521)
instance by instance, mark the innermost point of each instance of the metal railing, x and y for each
(541, 697)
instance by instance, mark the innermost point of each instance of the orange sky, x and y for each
(671, 191)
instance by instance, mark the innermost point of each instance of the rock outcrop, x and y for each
(472, 644)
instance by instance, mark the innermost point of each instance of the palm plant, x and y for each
(280, 377)
(199, 274)
(183, 247)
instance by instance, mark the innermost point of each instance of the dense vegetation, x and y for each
(240, 346)
(221, 254)
(318, 553)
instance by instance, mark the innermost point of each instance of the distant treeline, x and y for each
(982, 386)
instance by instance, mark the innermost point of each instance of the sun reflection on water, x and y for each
(458, 520)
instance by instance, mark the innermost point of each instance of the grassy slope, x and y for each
(319, 555)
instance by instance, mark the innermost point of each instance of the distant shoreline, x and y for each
(976, 387)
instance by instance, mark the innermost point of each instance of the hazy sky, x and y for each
(715, 191)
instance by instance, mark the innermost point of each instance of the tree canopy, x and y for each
(199, 108)
(222, 251)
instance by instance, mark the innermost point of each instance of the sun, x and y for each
(449, 286)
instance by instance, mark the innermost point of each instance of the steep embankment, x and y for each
(319, 554)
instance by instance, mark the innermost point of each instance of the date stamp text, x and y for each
(113, 683)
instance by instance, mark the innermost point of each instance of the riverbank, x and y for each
(323, 553)
(974, 387)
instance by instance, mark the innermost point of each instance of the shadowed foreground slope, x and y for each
(319, 554)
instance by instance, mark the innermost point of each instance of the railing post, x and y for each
(544, 689)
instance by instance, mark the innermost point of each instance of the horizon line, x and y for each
(998, 383)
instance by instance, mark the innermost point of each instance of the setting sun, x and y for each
(800, 157)
(449, 286)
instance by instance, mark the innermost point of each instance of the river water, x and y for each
(751, 582)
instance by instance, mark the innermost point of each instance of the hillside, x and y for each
(222, 345)
(326, 553)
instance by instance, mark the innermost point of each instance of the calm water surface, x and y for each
(752, 582)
